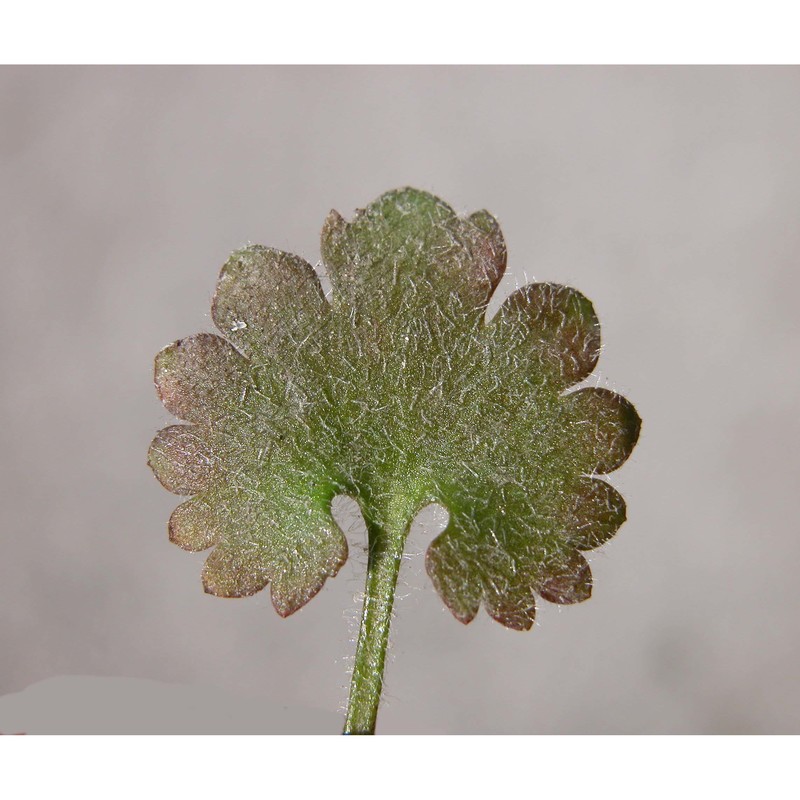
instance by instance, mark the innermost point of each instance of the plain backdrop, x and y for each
(669, 196)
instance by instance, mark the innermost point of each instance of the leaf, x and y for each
(398, 392)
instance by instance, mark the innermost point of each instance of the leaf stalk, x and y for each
(386, 544)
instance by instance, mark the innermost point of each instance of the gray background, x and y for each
(669, 196)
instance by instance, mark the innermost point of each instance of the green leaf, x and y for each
(399, 393)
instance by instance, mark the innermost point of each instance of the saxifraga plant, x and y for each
(399, 393)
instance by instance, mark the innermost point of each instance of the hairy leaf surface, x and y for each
(400, 393)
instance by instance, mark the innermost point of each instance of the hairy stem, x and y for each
(385, 555)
